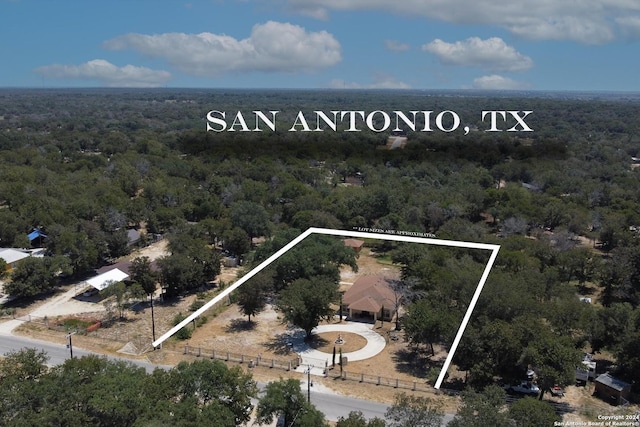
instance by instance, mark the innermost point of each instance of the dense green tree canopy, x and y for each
(251, 298)
(479, 409)
(316, 256)
(413, 411)
(33, 276)
(554, 359)
(426, 323)
(192, 263)
(142, 274)
(95, 391)
(562, 202)
(306, 301)
(530, 412)
(357, 419)
(284, 398)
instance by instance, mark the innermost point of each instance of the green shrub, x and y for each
(201, 321)
(184, 333)
(72, 323)
(195, 305)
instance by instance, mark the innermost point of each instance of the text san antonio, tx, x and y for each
(356, 121)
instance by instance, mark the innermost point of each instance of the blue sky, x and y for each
(420, 44)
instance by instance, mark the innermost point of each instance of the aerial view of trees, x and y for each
(284, 399)
(306, 301)
(95, 391)
(561, 201)
(192, 264)
(34, 276)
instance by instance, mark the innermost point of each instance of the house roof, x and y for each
(396, 142)
(10, 255)
(133, 235)
(613, 382)
(366, 303)
(125, 266)
(35, 234)
(372, 291)
(531, 187)
(103, 280)
(353, 243)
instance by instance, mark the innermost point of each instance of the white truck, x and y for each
(524, 387)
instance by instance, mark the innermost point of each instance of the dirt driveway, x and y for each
(69, 300)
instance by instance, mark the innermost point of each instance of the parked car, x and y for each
(557, 391)
(90, 292)
(524, 387)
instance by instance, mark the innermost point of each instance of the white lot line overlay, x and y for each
(365, 235)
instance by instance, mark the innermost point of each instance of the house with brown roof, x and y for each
(354, 244)
(125, 266)
(371, 297)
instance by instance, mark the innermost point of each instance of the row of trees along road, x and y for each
(95, 391)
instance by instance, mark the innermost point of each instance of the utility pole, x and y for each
(70, 345)
(308, 383)
(153, 323)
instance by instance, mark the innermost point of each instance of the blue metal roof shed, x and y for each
(36, 234)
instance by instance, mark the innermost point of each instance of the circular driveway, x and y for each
(375, 343)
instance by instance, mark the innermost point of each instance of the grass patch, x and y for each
(73, 323)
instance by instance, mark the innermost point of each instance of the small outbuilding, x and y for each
(103, 280)
(611, 389)
(354, 244)
(12, 257)
(230, 261)
(36, 236)
(133, 237)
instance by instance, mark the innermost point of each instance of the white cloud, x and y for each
(630, 26)
(272, 46)
(585, 21)
(492, 54)
(395, 46)
(496, 82)
(589, 30)
(107, 73)
(317, 12)
(380, 81)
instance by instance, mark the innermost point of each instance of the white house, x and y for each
(13, 257)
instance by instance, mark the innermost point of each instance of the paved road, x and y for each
(332, 405)
(58, 353)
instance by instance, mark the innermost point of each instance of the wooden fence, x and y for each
(283, 364)
(380, 380)
(250, 360)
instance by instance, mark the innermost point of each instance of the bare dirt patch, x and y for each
(326, 342)
(369, 262)
(586, 406)
(153, 251)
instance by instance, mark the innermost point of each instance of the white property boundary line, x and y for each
(365, 235)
